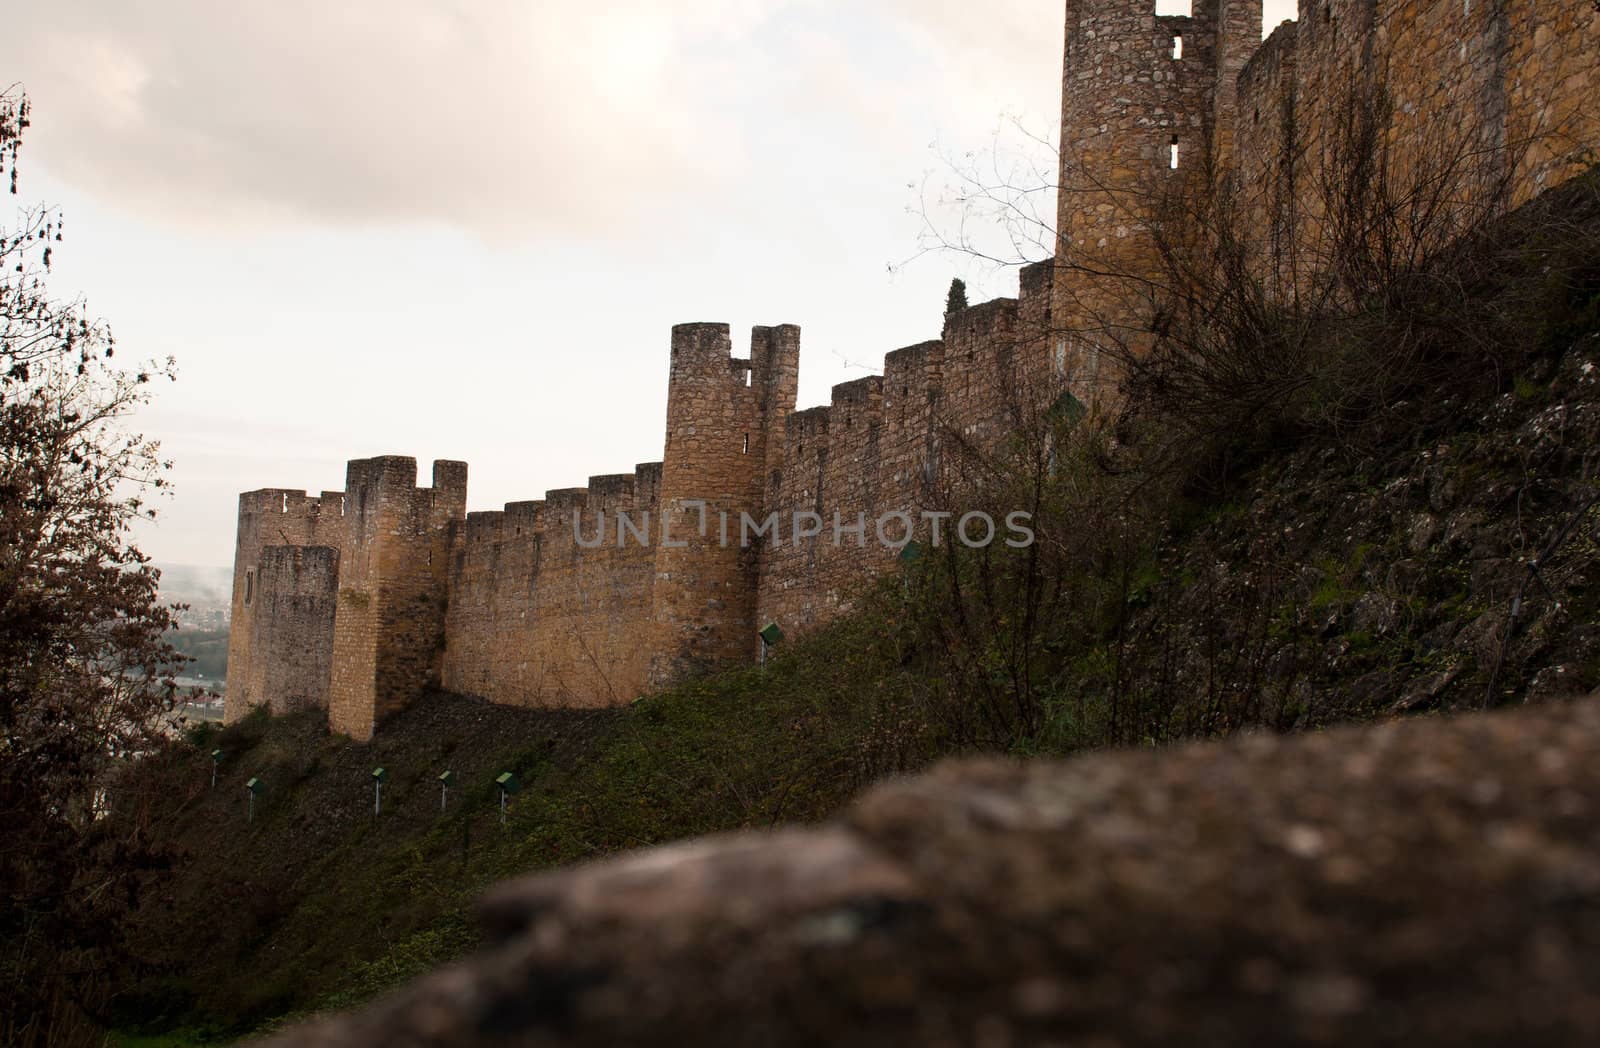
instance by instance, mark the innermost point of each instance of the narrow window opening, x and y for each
(286, 503)
(1258, 116)
(1177, 46)
(341, 505)
(746, 444)
(749, 375)
(249, 587)
(1174, 152)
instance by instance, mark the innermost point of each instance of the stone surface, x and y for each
(1426, 881)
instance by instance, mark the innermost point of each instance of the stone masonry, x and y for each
(359, 601)
(1150, 102)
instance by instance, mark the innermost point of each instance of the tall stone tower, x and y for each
(725, 419)
(388, 630)
(1142, 96)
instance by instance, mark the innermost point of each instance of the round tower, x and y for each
(1139, 101)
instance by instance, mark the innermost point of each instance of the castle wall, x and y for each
(791, 587)
(1265, 158)
(291, 627)
(1477, 91)
(519, 606)
(909, 441)
(1552, 90)
(269, 517)
(1238, 37)
(538, 619)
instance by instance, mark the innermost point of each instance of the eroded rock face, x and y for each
(1428, 881)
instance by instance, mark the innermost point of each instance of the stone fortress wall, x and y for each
(1506, 87)
(359, 601)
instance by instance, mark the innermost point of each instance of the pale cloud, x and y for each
(992, 53)
(499, 116)
(509, 119)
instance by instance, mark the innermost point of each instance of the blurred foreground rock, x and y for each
(1426, 881)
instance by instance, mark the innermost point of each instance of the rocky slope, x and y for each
(1454, 564)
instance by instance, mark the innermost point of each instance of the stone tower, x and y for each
(725, 419)
(1142, 98)
(388, 631)
(282, 624)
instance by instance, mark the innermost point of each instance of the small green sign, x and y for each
(507, 782)
(255, 785)
(771, 633)
(216, 756)
(381, 774)
(447, 777)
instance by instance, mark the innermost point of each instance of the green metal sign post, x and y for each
(770, 635)
(508, 785)
(254, 786)
(216, 759)
(379, 775)
(445, 779)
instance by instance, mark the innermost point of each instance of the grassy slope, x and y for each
(318, 902)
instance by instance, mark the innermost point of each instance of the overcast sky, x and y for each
(464, 228)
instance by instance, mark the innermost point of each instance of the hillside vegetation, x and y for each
(1434, 550)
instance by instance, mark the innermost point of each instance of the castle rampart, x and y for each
(547, 604)
(359, 601)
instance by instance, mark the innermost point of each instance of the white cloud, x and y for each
(500, 116)
(511, 119)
